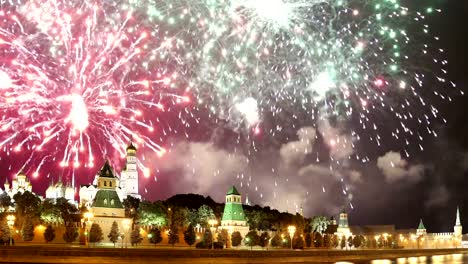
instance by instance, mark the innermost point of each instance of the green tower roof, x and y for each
(106, 171)
(233, 211)
(421, 225)
(107, 199)
(232, 190)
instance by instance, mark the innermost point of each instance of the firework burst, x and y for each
(86, 76)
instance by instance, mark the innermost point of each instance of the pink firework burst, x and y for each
(76, 84)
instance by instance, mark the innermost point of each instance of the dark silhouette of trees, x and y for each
(252, 239)
(135, 236)
(276, 240)
(27, 230)
(155, 235)
(189, 235)
(264, 240)
(236, 239)
(173, 235)
(308, 240)
(222, 237)
(49, 234)
(114, 233)
(298, 242)
(71, 233)
(95, 234)
(318, 240)
(131, 205)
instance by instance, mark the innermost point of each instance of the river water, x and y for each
(436, 259)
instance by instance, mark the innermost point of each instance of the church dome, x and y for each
(131, 147)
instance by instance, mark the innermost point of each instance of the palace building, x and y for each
(126, 185)
(60, 190)
(107, 206)
(19, 184)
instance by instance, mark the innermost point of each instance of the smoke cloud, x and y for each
(396, 169)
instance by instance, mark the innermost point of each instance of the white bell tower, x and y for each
(130, 174)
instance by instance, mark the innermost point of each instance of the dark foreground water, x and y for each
(436, 259)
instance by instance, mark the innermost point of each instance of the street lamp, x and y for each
(88, 216)
(212, 223)
(11, 222)
(291, 231)
(126, 225)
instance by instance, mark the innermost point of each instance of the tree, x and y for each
(135, 236)
(49, 233)
(327, 240)
(318, 240)
(131, 205)
(350, 241)
(27, 205)
(252, 239)
(153, 214)
(27, 231)
(343, 242)
(236, 239)
(114, 233)
(5, 201)
(192, 217)
(357, 241)
(173, 235)
(71, 233)
(222, 237)
(286, 241)
(95, 234)
(178, 216)
(4, 232)
(276, 240)
(155, 236)
(189, 235)
(207, 238)
(319, 224)
(298, 242)
(50, 213)
(66, 210)
(308, 239)
(264, 239)
(204, 214)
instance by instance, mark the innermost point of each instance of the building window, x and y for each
(105, 201)
(105, 183)
(112, 202)
(110, 184)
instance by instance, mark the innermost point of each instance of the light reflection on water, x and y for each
(436, 259)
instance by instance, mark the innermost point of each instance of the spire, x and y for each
(130, 145)
(247, 202)
(106, 170)
(457, 221)
(421, 225)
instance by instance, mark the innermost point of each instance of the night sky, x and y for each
(445, 181)
(207, 157)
